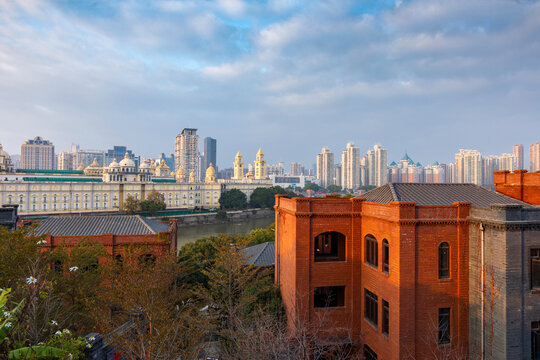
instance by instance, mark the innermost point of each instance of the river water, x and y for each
(191, 233)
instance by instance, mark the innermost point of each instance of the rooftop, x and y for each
(439, 194)
(260, 255)
(99, 225)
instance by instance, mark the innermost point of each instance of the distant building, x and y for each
(325, 167)
(83, 158)
(469, 167)
(169, 160)
(118, 152)
(337, 175)
(489, 165)
(227, 173)
(406, 171)
(377, 166)
(37, 154)
(186, 152)
(350, 167)
(275, 169)
(238, 166)
(507, 162)
(296, 169)
(210, 153)
(435, 173)
(260, 166)
(534, 157)
(5, 161)
(64, 161)
(518, 154)
(286, 181)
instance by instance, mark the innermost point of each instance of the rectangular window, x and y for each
(371, 306)
(372, 256)
(444, 326)
(329, 296)
(386, 257)
(385, 318)
(535, 268)
(535, 340)
(369, 354)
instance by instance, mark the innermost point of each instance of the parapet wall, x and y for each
(520, 184)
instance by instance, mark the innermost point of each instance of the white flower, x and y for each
(41, 242)
(73, 268)
(8, 325)
(66, 331)
(58, 333)
(92, 338)
(54, 323)
(88, 345)
(7, 314)
(31, 280)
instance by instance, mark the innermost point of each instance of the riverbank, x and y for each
(214, 218)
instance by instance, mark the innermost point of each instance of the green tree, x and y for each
(313, 187)
(259, 236)
(367, 187)
(131, 205)
(233, 199)
(154, 202)
(265, 197)
(333, 188)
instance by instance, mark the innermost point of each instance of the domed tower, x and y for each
(238, 167)
(180, 175)
(94, 169)
(260, 166)
(192, 177)
(162, 170)
(210, 174)
(144, 172)
(5, 161)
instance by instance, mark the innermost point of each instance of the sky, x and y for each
(290, 76)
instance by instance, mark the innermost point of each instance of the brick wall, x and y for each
(519, 184)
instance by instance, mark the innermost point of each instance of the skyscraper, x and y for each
(490, 164)
(377, 165)
(209, 155)
(325, 167)
(296, 169)
(534, 157)
(518, 154)
(469, 167)
(37, 154)
(186, 152)
(65, 161)
(118, 153)
(507, 162)
(350, 167)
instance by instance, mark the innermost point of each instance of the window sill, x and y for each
(329, 308)
(373, 325)
(374, 267)
(445, 279)
(322, 261)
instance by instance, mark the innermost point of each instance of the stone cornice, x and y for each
(515, 225)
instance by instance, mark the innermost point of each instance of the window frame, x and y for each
(534, 259)
(371, 308)
(371, 251)
(385, 256)
(339, 297)
(385, 326)
(444, 334)
(443, 271)
(331, 239)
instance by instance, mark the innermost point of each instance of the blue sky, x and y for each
(290, 76)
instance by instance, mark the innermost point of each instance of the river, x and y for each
(191, 233)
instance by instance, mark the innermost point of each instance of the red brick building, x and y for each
(116, 233)
(520, 184)
(388, 271)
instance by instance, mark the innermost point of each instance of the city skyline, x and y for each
(453, 76)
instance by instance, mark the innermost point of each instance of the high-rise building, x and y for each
(118, 153)
(296, 169)
(534, 157)
(507, 162)
(275, 169)
(469, 167)
(377, 166)
(209, 155)
(260, 166)
(186, 152)
(64, 161)
(325, 167)
(337, 175)
(518, 154)
(490, 164)
(83, 158)
(350, 167)
(37, 154)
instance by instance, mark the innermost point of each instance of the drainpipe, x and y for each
(483, 287)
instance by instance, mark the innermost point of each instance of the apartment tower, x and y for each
(518, 154)
(469, 167)
(37, 154)
(186, 152)
(325, 167)
(350, 167)
(534, 157)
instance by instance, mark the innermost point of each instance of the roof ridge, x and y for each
(260, 252)
(152, 231)
(393, 191)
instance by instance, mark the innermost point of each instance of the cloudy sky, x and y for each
(291, 76)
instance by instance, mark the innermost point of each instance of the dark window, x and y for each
(147, 260)
(58, 266)
(535, 268)
(535, 340)
(444, 326)
(330, 246)
(385, 318)
(444, 261)
(371, 307)
(371, 255)
(386, 256)
(369, 354)
(329, 296)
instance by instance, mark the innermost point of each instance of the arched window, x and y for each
(444, 261)
(330, 246)
(385, 256)
(371, 251)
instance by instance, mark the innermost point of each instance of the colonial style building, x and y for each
(399, 271)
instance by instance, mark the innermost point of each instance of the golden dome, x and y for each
(80, 168)
(211, 171)
(127, 162)
(192, 177)
(172, 173)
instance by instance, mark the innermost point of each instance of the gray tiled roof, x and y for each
(439, 194)
(99, 225)
(260, 255)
